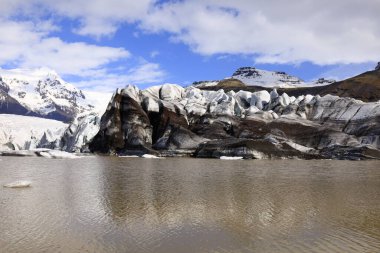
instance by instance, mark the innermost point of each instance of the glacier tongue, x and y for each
(23, 132)
(28, 133)
(253, 125)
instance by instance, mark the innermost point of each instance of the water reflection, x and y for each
(253, 205)
(188, 205)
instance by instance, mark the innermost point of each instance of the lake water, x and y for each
(108, 204)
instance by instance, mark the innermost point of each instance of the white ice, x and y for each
(151, 156)
(231, 157)
(19, 184)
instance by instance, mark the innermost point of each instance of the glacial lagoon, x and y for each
(110, 204)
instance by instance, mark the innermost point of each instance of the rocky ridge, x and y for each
(364, 87)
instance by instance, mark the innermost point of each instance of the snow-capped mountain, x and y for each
(252, 76)
(42, 92)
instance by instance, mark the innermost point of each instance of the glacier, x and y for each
(170, 119)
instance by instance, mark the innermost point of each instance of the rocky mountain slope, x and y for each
(42, 93)
(171, 120)
(365, 87)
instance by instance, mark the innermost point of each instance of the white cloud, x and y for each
(70, 58)
(154, 54)
(99, 17)
(28, 45)
(145, 74)
(31, 43)
(289, 31)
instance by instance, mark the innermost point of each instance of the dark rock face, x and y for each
(124, 127)
(9, 105)
(247, 71)
(170, 120)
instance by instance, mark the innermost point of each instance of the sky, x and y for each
(101, 45)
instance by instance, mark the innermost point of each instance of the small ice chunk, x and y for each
(231, 157)
(58, 154)
(128, 156)
(151, 156)
(18, 184)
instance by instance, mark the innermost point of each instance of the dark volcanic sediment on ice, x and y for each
(172, 120)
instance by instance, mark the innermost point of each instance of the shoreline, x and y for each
(58, 154)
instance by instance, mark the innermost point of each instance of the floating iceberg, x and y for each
(231, 157)
(151, 156)
(43, 152)
(129, 156)
(18, 184)
(57, 154)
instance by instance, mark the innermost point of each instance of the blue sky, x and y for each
(101, 45)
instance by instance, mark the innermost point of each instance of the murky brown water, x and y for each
(189, 205)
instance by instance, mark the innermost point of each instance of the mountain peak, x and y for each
(257, 77)
(25, 74)
(44, 92)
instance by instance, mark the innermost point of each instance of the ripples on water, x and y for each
(107, 204)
